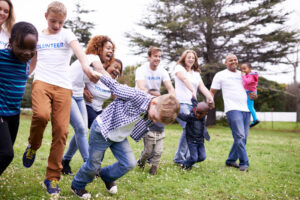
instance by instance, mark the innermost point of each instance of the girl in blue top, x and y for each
(14, 70)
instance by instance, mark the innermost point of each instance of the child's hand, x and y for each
(93, 76)
(87, 95)
(252, 95)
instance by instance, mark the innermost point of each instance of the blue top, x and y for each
(129, 105)
(195, 128)
(158, 127)
(13, 77)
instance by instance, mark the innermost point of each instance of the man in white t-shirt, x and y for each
(236, 109)
(148, 78)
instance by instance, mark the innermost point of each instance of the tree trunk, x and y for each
(298, 102)
(211, 117)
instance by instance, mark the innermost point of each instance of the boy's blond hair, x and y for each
(168, 108)
(57, 8)
(153, 49)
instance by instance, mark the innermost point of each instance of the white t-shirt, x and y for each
(183, 94)
(53, 58)
(234, 94)
(100, 93)
(77, 75)
(153, 79)
(4, 37)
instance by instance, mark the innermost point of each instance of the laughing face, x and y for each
(114, 69)
(107, 52)
(4, 11)
(231, 62)
(189, 60)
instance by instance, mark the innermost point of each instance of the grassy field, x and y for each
(274, 172)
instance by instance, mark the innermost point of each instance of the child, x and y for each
(51, 91)
(250, 80)
(129, 114)
(153, 143)
(195, 133)
(14, 70)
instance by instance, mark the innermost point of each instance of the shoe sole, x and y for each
(113, 190)
(80, 196)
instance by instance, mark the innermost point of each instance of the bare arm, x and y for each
(169, 86)
(97, 65)
(181, 76)
(77, 49)
(207, 94)
(141, 85)
(32, 64)
(213, 92)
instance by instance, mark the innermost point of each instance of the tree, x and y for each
(295, 63)
(82, 29)
(215, 28)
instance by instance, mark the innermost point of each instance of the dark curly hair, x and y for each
(96, 44)
(19, 32)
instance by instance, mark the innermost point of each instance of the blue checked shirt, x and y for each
(129, 105)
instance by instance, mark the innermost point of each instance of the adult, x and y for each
(149, 78)
(187, 82)
(236, 109)
(7, 20)
(100, 50)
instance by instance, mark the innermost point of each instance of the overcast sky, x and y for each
(115, 17)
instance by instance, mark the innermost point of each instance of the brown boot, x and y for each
(153, 170)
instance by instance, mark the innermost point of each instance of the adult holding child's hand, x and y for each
(187, 82)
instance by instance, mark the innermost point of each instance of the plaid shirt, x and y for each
(129, 105)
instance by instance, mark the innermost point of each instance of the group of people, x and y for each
(75, 94)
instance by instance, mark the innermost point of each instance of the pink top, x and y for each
(250, 81)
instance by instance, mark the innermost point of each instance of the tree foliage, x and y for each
(253, 30)
(81, 28)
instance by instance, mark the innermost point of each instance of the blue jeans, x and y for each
(197, 154)
(98, 145)
(182, 150)
(239, 124)
(78, 120)
(251, 108)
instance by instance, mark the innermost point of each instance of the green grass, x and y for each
(274, 171)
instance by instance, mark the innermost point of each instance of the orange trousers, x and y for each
(48, 99)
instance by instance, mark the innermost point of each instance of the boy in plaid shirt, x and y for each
(131, 113)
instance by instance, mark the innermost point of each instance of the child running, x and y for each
(14, 70)
(129, 114)
(52, 91)
(195, 133)
(250, 80)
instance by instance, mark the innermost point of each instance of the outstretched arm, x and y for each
(77, 49)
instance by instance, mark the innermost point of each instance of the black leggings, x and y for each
(9, 126)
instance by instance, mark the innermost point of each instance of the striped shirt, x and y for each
(129, 105)
(13, 77)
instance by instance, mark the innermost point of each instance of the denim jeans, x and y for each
(97, 146)
(197, 154)
(78, 120)
(239, 124)
(182, 150)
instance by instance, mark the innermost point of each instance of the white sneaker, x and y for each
(113, 190)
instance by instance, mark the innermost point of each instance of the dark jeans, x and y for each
(8, 132)
(197, 154)
(92, 114)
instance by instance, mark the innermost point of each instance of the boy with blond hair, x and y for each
(52, 91)
(131, 113)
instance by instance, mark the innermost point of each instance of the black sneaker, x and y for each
(254, 123)
(111, 187)
(244, 169)
(66, 167)
(81, 193)
(235, 165)
(140, 164)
